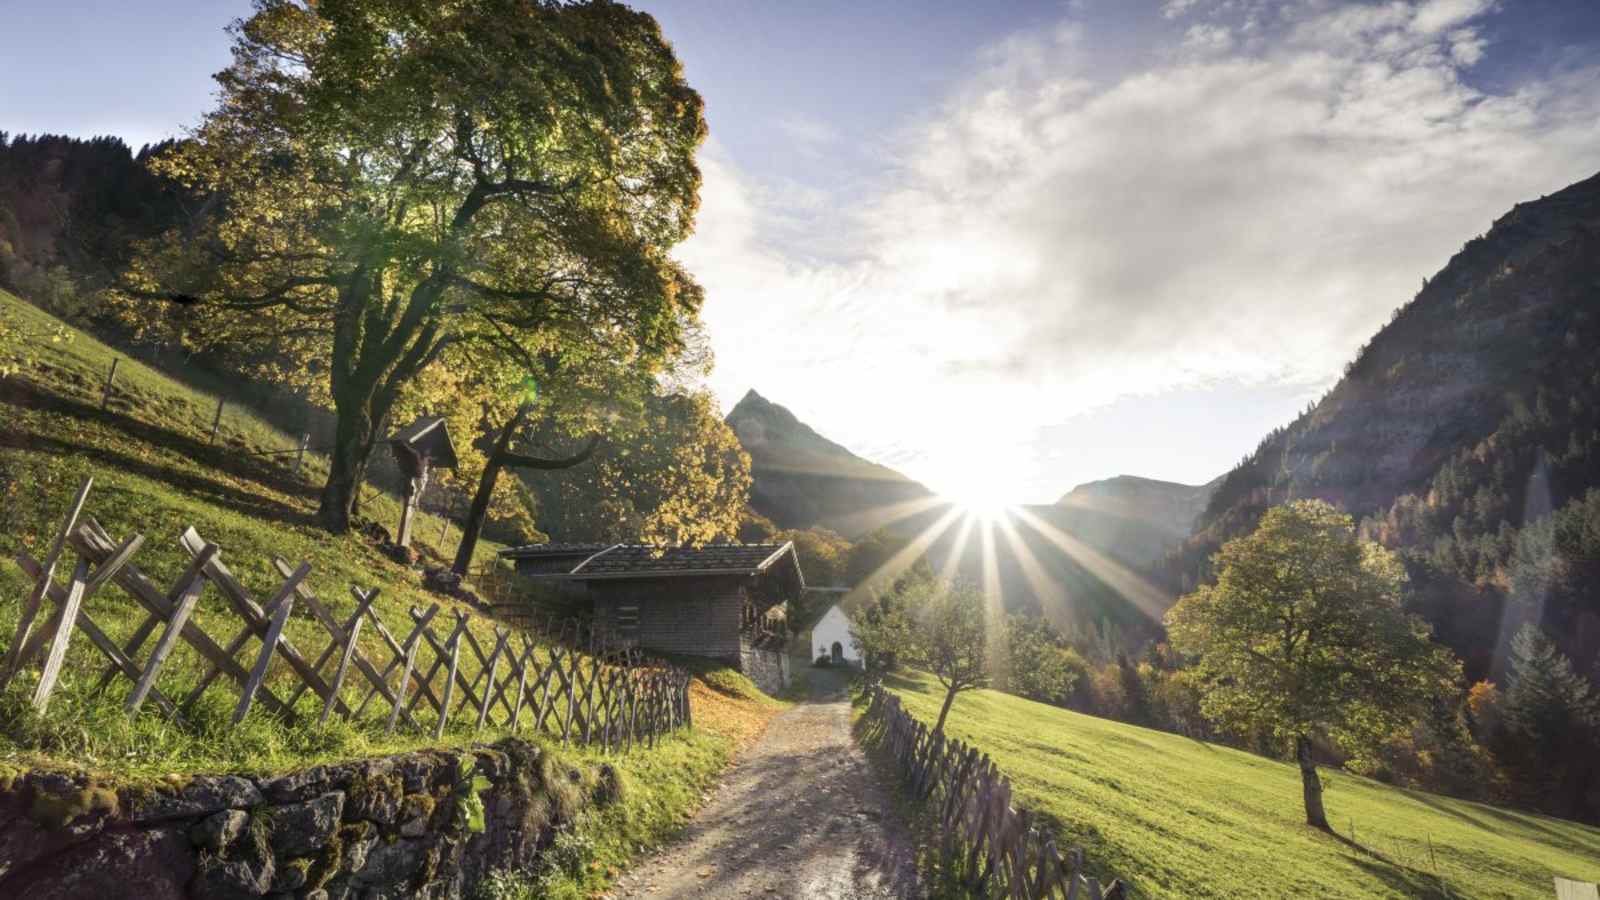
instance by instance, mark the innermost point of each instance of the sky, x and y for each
(1007, 248)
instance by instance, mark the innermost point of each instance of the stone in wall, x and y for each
(390, 827)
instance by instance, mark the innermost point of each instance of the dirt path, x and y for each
(798, 815)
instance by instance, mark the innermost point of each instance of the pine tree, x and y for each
(1553, 716)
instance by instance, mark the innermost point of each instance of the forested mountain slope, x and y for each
(1467, 434)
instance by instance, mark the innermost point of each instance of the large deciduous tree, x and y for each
(1303, 636)
(391, 177)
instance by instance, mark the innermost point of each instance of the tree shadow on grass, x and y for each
(24, 395)
(1397, 876)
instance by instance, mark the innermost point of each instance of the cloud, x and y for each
(1049, 240)
(807, 131)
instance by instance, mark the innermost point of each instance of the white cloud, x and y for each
(807, 130)
(1047, 243)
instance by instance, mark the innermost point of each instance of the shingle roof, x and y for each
(655, 560)
(538, 551)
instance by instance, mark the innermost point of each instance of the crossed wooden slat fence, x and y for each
(572, 687)
(995, 848)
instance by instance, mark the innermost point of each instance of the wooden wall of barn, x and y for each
(697, 616)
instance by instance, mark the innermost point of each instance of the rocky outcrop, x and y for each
(424, 824)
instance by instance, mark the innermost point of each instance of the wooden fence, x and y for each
(572, 686)
(994, 848)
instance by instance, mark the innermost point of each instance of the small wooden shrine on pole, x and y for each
(420, 447)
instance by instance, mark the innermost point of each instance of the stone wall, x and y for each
(767, 667)
(399, 826)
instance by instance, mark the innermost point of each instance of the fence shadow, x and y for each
(985, 846)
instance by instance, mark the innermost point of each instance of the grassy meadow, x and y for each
(1178, 817)
(155, 472)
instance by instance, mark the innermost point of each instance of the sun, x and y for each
(981, 501)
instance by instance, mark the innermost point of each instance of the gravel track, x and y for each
(799, 814)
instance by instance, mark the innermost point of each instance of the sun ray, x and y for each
(994, 602)
(952, 562)
(902, 560)
(877, 517)
(1130, 585)
(1053, 601)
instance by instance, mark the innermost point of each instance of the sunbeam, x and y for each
(882, 516)
(902, 560)
(1131, 586)
(1053, 601)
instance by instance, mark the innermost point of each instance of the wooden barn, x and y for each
(724, 601)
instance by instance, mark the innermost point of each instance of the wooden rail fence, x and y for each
(994, 848)
(570, 686)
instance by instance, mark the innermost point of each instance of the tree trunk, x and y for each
(501, 457)
(347, 463)
(949, 700)
(362, 415)
(473, 526)
(1315, 815)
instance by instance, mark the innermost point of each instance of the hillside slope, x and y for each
(801, 479)
(1181, 818)
(1472, 415)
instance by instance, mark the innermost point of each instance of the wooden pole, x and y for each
(30, 607)
(444, 524)
(300, 453)
(58, 647)
(111, 378)
(259, 673)
(450, 680)
(217, 421)
(338, 676)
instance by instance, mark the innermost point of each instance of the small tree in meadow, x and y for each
(935, 625)
(1303, 635)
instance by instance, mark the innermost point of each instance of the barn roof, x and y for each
(641, 561)
(546, 551)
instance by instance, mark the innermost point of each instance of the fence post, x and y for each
(444, 524)
(111, 378)
(300, 453)
(217, 422)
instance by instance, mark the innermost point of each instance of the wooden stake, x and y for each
(338, 676)
(30, 607)
(450, 681)
(217, 422)
(111, 378)
(58, 648)
(259, 673)
(169, 638)
(300, 453)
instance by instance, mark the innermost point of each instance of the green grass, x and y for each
(1182, 818)
(156, 473)
(661, 790)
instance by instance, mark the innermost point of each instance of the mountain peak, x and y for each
(801, 478)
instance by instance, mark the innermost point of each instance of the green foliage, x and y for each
(1038, 665)
(1181, 818)
(675, 474)
(1304, 634)
(1550, 734)
(401, 179)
